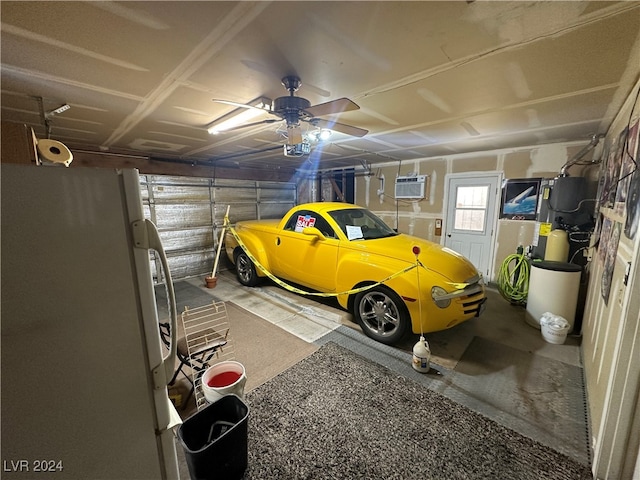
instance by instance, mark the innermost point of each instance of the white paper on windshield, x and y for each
(354, 232)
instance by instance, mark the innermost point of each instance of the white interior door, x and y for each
(471, 216)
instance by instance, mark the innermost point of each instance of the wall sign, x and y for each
(520, 199)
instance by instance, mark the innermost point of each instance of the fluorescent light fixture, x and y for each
(62, 108)
(470, 129)
(57, 111)
(240, 116)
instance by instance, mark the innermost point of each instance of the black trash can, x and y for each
(215, 440)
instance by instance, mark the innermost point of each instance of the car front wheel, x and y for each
(246, 271)
(381, 314)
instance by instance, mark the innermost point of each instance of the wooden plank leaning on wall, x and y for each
(18, 144)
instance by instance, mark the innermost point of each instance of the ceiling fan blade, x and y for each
(340, 127)
(294, 135)
(334, 106)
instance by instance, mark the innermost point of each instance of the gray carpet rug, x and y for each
(336, 415)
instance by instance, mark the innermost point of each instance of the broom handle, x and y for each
(215, 263)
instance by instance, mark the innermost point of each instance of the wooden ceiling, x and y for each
(431, 78)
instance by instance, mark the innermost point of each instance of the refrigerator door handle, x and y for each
(145, 235)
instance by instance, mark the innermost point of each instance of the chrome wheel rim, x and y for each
(243, 265)
(379, 314)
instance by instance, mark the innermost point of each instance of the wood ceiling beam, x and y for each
(151, 166)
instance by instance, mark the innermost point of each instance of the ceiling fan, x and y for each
(294, 110)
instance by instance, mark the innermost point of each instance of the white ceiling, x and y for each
(431, 78)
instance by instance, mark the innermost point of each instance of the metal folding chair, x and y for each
(204, 338)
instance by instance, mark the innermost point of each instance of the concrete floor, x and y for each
(311, 318)
(497, 364)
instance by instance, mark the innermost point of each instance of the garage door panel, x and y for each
(187, 239)
(275, 210)
(189, 213)
(182, 215)
(272, 193)
(234, 194)
(180, 192)
(188, 264)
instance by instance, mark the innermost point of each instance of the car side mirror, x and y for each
(313, 232)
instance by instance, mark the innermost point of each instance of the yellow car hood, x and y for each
(444, 261)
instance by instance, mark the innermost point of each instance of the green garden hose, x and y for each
(513, 278)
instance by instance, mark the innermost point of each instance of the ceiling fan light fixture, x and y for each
(324, 134)
(240, 116)
(320, 135)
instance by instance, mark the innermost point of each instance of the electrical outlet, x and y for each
(588, 253)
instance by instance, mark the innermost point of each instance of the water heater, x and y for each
(561, 207)
(567, 194)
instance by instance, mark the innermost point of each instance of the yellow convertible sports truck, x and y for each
(392, 283)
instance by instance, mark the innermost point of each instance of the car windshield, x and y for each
(361, 224)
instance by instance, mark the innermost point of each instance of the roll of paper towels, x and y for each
(54, 152)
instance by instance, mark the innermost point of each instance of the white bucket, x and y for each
(222, 379)
(554, 329)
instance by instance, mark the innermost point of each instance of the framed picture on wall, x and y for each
(610, 260)
(612, 170)
(520, 198)
(631, 180)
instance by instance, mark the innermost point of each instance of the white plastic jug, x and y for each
(421, 356)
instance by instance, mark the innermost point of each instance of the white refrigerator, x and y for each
(84, 373)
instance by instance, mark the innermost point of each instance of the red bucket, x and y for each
(222, 379)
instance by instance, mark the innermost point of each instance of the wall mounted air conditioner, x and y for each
(412, 186)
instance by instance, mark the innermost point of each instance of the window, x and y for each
(361, 224)
(471, 208)
(307, 218)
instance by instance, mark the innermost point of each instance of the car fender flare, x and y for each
(376, 274)
(253, 247)
(405, 285)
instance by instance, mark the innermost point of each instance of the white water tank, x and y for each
(554, 288)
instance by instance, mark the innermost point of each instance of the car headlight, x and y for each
(437, 292)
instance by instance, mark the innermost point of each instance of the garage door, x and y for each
(189, 214)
